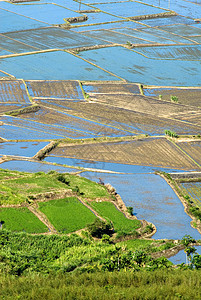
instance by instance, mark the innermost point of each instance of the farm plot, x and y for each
(7, 107)
(194, 190)
(122, 35)
(29, 129)
(172, 20)
(67, 215)
(13, 91)
(188, 96)
(30, 166)
(128, 9)
(114, 37)
(59, 121)
(148, 152)
(168, 35)
(120, 223)
(191, 117)
(183, 30)
(173, 52)
(193, 149)
(62, 89)
(143, 104)
(109, 116)
(184, 8)
(13, 46)
(52, 38)
(28, 149)
(18, 132)
(16, 190)
(137, 68)
(21, 219)
(48, 13)
(13, 22)
(98, 18)
(111, 88)
(54, 65)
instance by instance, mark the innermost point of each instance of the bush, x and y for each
(98, 228)
(130, 210)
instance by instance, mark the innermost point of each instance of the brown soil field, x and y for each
(13, 91)
(144, 104)
(70, 122)
(111, 88)
(5, 107)
(121, 118)
(185, 96)
(191, 117)
(147, 152)
(66, 89)
(193, 149)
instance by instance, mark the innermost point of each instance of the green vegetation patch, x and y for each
(17, 187)
(21, 219)
(68, 214)
(136, 244)
(121, 224)
(87, 188)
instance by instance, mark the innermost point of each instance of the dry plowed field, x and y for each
(119, 118)
(66, 89)
(148, 152)
(193, 149)
(185, 96)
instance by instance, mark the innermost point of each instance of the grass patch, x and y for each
(16, 187)
(67, 215)
(87, 188)
(136, 244)
(21, 219)
(121, 224)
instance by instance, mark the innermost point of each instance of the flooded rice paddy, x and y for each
(60, 67)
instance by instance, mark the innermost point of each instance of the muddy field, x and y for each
(148, 152)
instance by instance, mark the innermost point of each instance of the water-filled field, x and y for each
(53, 65)
(134, 67)
(21, 148)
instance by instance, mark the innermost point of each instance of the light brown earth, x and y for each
(158, 152)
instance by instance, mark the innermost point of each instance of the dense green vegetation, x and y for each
(160, 284)
(67, 215)
(121, 224)
(21, 219)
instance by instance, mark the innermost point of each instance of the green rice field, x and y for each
(21, 219)
(120, 222)
(67, 215)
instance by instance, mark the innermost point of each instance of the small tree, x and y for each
(98, 228)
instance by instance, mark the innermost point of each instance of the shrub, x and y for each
(98, 228)
(174, 99)
(130, 210)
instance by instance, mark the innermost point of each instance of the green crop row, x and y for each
(121, 224)
(67, 215)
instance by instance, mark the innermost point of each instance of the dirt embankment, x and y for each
(25, 110)
(41, 153)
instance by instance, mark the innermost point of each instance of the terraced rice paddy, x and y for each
(119, 221)
(24, 220)
(108, 76)
(67, 215)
